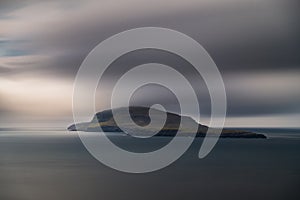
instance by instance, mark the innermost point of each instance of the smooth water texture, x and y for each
(49, 165)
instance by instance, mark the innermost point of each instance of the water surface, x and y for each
(41, 164)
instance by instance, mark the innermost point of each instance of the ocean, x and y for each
(53, 164)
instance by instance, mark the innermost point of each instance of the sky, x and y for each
(254, 43)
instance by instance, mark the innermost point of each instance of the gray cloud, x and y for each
(244, 36)
(248, 40)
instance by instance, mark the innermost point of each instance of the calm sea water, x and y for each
(44, 165)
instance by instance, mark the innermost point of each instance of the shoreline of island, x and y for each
(104, 122)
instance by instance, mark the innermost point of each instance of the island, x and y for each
(105, 121)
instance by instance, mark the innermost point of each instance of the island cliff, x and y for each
(140, 115)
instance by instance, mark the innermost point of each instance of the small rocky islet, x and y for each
(104, 121)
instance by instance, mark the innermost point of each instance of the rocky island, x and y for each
(104, 121)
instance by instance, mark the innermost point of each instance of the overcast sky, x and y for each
(254, 43)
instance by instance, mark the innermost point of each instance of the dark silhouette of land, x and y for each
(104, 121)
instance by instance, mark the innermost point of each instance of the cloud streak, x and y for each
(255, 45)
